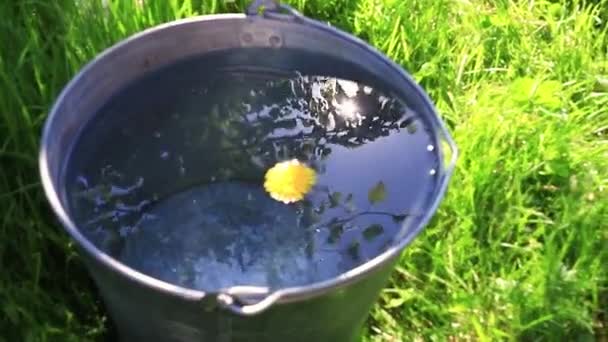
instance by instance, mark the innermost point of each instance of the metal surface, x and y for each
(145, 308)
(142, 313)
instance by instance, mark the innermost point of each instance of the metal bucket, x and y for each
(147, 309)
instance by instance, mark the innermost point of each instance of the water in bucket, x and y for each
(169, 178)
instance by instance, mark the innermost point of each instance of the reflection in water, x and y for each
(175, 186)
(348, 111)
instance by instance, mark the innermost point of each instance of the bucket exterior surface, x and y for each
(143, 314)
(147, 309)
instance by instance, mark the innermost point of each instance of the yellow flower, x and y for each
(289, 181)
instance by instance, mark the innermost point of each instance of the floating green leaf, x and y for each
(411, 128)
(335, 232)
(372, 231)
(353, 250)
(349, 205)
(399, 218)
(377, 193)
(320, 209)
(334, 199)
(310, 249)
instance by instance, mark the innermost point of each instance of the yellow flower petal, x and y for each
(289, 181)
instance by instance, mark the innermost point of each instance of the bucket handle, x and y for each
(245, 300)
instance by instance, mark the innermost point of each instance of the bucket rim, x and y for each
(226, 297)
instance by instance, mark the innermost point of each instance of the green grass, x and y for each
(519, 247)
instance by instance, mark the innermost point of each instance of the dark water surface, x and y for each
(169, 178)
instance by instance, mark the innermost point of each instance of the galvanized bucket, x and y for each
(147, 309)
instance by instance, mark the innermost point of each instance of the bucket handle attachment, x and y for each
(272, 9)
(245, 300)
(259, 6)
